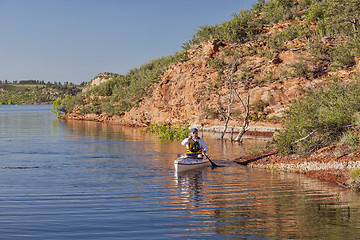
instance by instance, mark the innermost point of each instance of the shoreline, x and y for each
(324, 164)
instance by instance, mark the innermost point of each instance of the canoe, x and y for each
(186, 163)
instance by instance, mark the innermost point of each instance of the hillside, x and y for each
(273, 52)
(33, 92)
(194, 89)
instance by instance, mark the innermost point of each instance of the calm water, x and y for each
(94, 181)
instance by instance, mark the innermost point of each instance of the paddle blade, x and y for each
(212, 163)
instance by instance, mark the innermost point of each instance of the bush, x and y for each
(343, 55)
(301, 69)
(350, 138)
(319, 50)
(336, 17)
(259, 106)
(277, 41)
(275, 11)
(165, 132)
(211, 113)
(216, 63)
(355, 174)
(57, 107)
(319, 118)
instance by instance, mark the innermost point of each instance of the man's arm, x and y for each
(203, 145)
(185, 141)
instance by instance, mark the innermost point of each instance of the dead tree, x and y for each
(245, 124)
(231, 101)
(226, 116)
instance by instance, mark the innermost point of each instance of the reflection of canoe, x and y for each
(186, 163)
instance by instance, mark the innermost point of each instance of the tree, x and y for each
(232, 96)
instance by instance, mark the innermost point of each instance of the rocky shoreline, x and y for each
(329, 163)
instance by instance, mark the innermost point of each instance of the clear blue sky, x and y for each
(74, 40)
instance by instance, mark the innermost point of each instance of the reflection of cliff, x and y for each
(106, 131)
(252, 202)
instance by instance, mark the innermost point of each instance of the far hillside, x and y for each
(35, 91)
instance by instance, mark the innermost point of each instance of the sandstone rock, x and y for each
(99, 79)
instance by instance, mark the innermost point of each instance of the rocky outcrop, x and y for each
(181, 95)
(189, 91)
(100, 79)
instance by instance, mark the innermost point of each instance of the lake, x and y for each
(87, 180)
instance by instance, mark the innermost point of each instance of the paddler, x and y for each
(195, 146)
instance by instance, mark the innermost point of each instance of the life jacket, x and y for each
(194, 147)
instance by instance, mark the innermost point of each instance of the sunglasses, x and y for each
(195, 132)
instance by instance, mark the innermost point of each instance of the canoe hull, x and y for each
(186, 163)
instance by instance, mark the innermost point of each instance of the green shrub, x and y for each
(211, 113)
(343, 56)
(165, 132)
(259, 106)
(275, 11)
(355, 174)
(301, 69)
(319, 118)
(277, 41)
(319, 50)
(90, 108)
(350, 138)
(216, 63)
(335, 17)
(56, 107)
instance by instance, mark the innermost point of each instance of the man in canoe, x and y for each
(195, 145)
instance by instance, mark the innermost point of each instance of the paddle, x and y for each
(212, 163)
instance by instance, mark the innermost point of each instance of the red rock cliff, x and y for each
(190, 90)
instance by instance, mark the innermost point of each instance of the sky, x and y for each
(74, 40)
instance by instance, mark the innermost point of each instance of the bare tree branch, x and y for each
(245, 124)
(231, 100)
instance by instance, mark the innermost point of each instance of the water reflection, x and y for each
(103, 131)
(218, 150)
(99, 181)
(190, 187)
(251, 202)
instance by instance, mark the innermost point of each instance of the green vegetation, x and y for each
(34, 92)
(121, 92)
(257, 110)
(355, 175)
(332, 18)
(57, 107)
(321, 118)
(165, 132)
